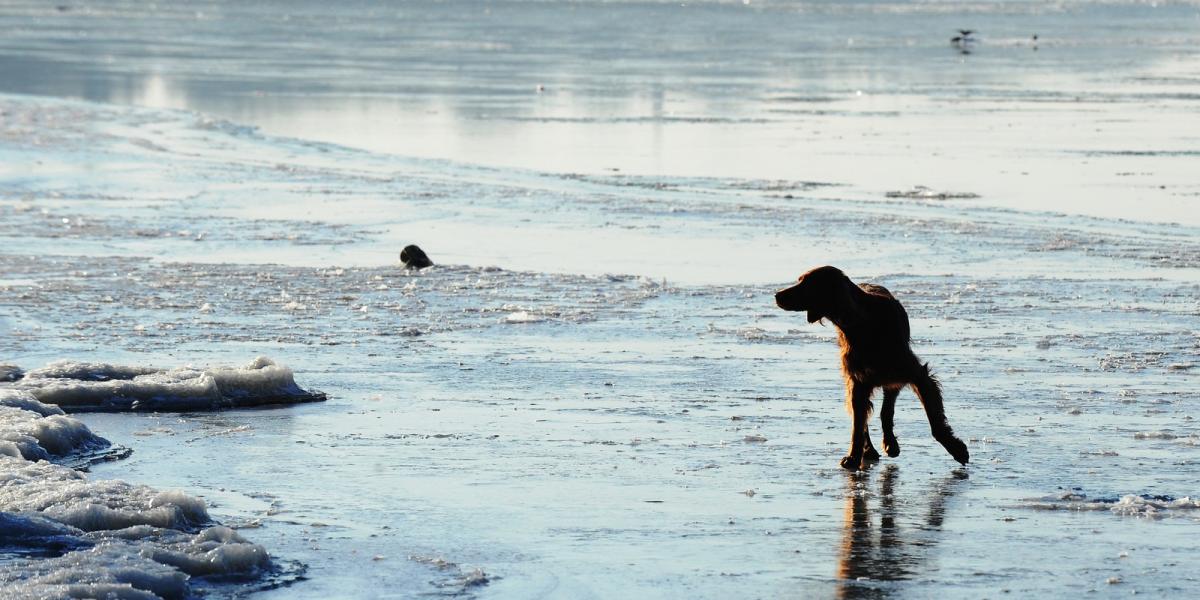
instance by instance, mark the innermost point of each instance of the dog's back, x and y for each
(877, 290)
(883, 333)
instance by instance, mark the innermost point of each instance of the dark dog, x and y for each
(414, 257)
(873, 333)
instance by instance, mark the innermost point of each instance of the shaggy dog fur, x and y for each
(873, 333)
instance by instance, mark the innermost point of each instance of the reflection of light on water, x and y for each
(157, 92)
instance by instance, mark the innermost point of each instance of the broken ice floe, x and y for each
(65, 536)
(10, 373)
(146, 562)
(80, 387)
(1136, 505)
(921, 192)
(32, 430)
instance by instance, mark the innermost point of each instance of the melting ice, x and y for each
(79, 386)
(63, 534)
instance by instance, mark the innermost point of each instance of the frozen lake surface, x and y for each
(592, 393)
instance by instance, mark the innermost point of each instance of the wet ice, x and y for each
(63, 534)
(556, 429)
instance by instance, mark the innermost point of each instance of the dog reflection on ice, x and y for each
(887, 552)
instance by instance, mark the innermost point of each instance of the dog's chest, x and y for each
(868, 357)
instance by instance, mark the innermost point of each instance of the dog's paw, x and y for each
(957, 449)
(870, 454)
(852, 462)
(891, 446)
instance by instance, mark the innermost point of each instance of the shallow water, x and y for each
(592, 393)
(1091, 118)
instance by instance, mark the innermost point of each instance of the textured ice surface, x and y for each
(572, 434)
(69, 497)
(1137, 505)
(35, 431)
(77, 386)
(609, 413)
(64, 535)
(10, 373)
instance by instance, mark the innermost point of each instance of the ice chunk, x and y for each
(65, 369)
(523, 316)
(10, 373)
(109, 570)
(30, 435)
(26, 401)
(1135, 505)
(78, 386)
(214, 551)
(122, 540)
(36, 531)
(66, 496)
(139, 560)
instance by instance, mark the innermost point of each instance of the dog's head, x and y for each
(816, 291)
(414, 257)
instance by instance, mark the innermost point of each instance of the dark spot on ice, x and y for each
(414, 257)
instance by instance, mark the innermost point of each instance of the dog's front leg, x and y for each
(860, 405)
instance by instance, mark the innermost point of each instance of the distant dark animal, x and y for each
(874, 337)
(414, 257)
(963, 42)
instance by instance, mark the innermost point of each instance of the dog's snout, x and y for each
(786, 299)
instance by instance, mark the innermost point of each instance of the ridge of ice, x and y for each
(32, 430)
(1134, 505)
(83, 386)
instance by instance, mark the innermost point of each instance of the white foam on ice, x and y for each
(26, 401)
(120, 540)
(67, 496)
(107, 570)
(66, 369)
(10, 373)
(81, 386)
(32, 430)
(523, 316)
(215, 551)
(1133, 505)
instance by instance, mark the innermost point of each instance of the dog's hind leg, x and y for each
(890, 445)
(860, 407)
(930, 392)
(870, 454)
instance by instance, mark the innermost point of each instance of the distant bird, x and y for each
(963, 37)
(963, 40)
(414, 258)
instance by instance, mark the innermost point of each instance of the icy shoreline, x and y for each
(71, 536)
(64, 534)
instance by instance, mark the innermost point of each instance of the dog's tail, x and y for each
(929, 390)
